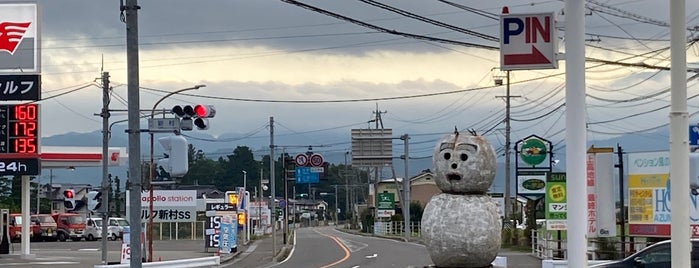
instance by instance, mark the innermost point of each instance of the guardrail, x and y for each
(183, 263)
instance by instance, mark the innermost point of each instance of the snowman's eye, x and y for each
(447, 156)
(464, 157)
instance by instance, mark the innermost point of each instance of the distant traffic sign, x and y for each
(304, 175)
(301, 160)
(528, 41)
(316, 160)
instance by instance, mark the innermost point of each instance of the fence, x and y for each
(546, 247)
(395, 228)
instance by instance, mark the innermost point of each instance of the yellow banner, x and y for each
(648, 180)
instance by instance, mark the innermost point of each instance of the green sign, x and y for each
(533, 151)
(385, 201)
(556, 201)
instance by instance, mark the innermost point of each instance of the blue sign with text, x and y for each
(304, 175)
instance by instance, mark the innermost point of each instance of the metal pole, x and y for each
(105, 171)
(26, 196)
(247, 204)
(285, 221)
(38, 191)
(347, 204)
(406, 190)
(152, 170)
(335, 205)
(679, 138)
(575, 132)
(131, 9)
(259, 205)
(51, 196)
(272, 179)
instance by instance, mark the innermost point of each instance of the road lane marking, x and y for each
(372, 256)
(345, 249)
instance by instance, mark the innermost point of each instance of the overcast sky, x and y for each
(262, 51)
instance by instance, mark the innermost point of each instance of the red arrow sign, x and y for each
(534, 58)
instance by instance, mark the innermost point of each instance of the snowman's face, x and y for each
(464, 164)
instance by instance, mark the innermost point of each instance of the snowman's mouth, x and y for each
(453, 177)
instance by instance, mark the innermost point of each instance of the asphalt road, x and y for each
(326, 247)
(72, 254)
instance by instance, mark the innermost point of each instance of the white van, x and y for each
(116, 228)
(93, 229)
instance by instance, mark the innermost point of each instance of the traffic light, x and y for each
(202, 112)
(232, 199)
(69, 199)
(241, 219)
(185, 113)
(194, 115)
(94, 200)
(176, 161)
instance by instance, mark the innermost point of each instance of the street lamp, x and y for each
(152, 170)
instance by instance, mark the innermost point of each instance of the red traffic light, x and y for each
(204, 111)
(68, 194)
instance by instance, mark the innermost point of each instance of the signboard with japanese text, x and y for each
(168, 205)
(20, 87)
(649, 195)
(601, 213)
(556, 202)
(212, 232)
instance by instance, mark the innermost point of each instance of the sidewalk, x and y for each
(257, 253)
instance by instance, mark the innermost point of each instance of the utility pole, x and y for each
(508, 144)
(405, 200)
(273, 210)
(131, 18)
(106, 189)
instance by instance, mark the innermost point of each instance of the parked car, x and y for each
(16, 228)
(653, 256)
(47, 226)
(70, 225)
(116, 228)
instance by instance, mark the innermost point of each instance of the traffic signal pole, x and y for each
(131, 18)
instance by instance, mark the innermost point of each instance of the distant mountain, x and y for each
(630, 143)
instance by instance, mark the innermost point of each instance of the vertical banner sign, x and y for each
(556, 202)
(601, 208)
(591, 202)
(228, 232)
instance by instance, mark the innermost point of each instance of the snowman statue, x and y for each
(461, 226)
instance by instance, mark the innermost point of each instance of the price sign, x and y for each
(19, 139)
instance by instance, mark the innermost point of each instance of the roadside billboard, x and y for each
(168, 205)
(601, 216)
(556, 202)
(649, 196)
